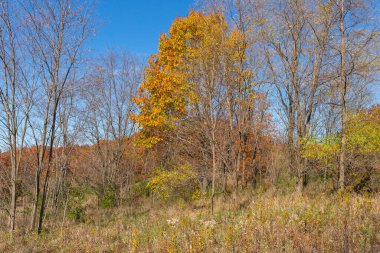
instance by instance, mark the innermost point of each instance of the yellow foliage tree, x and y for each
(168, 88)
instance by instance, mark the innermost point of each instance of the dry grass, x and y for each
(265, 223)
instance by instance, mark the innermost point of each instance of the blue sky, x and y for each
(135, 25)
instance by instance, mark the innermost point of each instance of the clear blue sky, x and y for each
(135, 25)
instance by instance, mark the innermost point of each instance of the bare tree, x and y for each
(15, 93)
(57, 31)
(296, 64)
(68, 135)
(108, 94)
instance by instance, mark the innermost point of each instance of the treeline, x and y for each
(240, 94)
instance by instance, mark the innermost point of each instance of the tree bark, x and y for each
(213, 150)
(342, 158)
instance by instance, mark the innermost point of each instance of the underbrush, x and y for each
(258, 222)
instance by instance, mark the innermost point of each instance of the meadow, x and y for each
(267, 221)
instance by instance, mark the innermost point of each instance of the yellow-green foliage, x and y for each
(180, 182)
(322, 149)
(363, 137)
(364, 132)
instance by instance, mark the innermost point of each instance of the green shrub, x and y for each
(140, 189)
(77, 213)
(75, 204)
(108, 198)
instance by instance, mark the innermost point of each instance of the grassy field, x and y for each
(268, 222)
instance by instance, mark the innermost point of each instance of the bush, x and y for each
(139, 189)
(362, 151)
(177, 183)
(108, 198)
(76, 210)
(77, 213)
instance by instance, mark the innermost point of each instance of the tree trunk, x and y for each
(291, 148)
(43, 203)
(300, 177)
(12, 210)
(244, 168)
(343, 100)
(35, 199)
(213, 171)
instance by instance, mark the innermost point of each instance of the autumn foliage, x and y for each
(252, 129)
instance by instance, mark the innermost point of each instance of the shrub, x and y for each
(77, 213)
(362, 151)
(177, 183)
(76, 199)
(108, 198)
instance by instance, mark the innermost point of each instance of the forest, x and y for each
(255, 127)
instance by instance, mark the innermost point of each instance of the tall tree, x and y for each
(15, 92)
(199, 72)
(358, 52)
(296, 55)
(57, 31)
(185, 74)
(343, 85)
